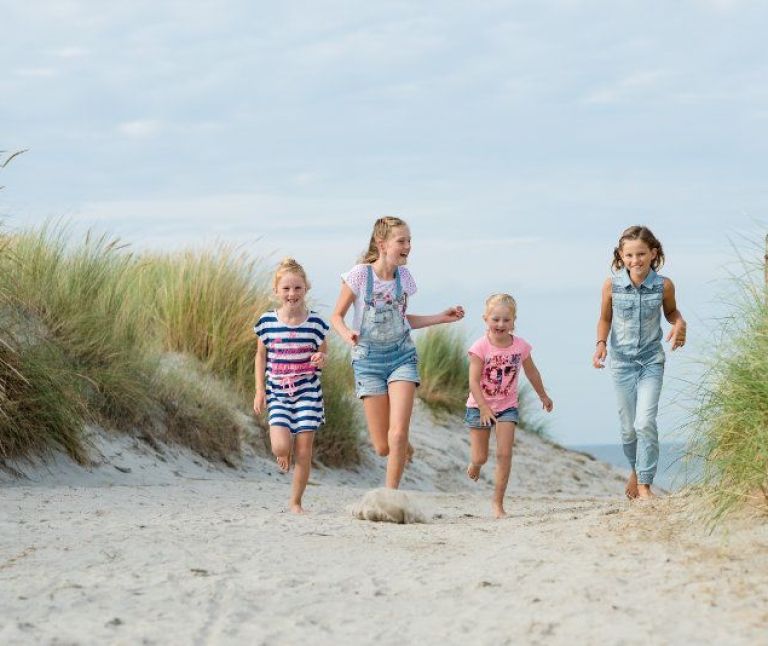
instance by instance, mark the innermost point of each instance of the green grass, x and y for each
(731, 418)
(443, 369)
(338, 442)
(86, 329)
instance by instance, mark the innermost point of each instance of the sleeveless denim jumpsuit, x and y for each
(384, 352)
(637, 365)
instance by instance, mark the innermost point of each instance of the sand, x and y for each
(167, 549)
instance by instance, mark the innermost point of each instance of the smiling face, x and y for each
(500, 320)
(637, 257)
(397, 245)
(291, 290)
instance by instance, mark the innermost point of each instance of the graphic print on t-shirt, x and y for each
(499, 372)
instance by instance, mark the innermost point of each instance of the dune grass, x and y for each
(731, 418)
(443, 369)
(86, 329)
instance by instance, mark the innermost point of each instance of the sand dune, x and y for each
(166, 549)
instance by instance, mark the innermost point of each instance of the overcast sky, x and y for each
(517, 138)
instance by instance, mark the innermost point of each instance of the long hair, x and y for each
(638, 233)
(382, 229)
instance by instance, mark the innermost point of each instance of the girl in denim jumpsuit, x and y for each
(632, 302)
(383, 354)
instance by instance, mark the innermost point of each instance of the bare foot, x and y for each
(473, 471)
(644, 492)
(631, 489)
(498, 510)
(296, 508)
(283, 462)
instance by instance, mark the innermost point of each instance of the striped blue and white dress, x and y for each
(294, 394)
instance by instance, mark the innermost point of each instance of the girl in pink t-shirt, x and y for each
(495, 360)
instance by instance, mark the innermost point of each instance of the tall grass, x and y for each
(338, 441)
(86, 329)
(443, 369)
(731, 419)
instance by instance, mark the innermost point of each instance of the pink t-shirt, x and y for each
(501, 367)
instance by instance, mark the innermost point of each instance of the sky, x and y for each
(518, 139)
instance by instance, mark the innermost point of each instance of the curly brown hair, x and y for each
(638, 232)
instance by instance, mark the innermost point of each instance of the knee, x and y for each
(398, 437)
(504, 457)
(381, 449)
(479, 457)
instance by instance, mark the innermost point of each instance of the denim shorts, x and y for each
(472, 417)
(377, 365)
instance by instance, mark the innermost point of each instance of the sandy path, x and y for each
(217, 562)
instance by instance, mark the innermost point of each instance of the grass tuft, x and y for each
(731, 418)
(443, 369)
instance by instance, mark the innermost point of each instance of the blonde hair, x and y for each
(289, 266)
(382, 229)
(502, 299)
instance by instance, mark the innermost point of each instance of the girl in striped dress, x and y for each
(290, 355)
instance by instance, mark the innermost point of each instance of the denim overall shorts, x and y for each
(385, 351)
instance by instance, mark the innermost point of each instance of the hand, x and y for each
(676, 335)
(350, 337)
(453, 314)
(486, 416)
(546, 403)
(598, 360)
(259, 402)
(318, 360)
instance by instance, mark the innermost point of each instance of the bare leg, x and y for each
(631, 489)
(401, 394)
(280, 439)
(505, 440)
(478, 452)
(376, 409)
(302, 464)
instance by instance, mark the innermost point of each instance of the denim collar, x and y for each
(626, 281)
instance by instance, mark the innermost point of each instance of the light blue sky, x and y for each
(517, 138)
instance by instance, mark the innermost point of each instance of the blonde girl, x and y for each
(495, 360)
(383, 353)
(632, 302)
(289, 357)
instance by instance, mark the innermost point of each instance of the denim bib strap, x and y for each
(369, 286)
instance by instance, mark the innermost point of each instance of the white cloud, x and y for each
(36, 72)
(629, 87)
(141, 128)
(71, 53)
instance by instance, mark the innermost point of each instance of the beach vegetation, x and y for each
(730, 422)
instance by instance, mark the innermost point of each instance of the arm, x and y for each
(475, 373)
(260, 368)
(345, 300)
(533, 375)
(603, 326)
(452, 314)
(676, 335)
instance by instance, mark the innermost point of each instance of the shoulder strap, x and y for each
(369, 286)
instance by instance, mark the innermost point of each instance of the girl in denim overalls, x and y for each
(631, 311)
(383, 353)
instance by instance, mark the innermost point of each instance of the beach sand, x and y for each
(151, 548)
